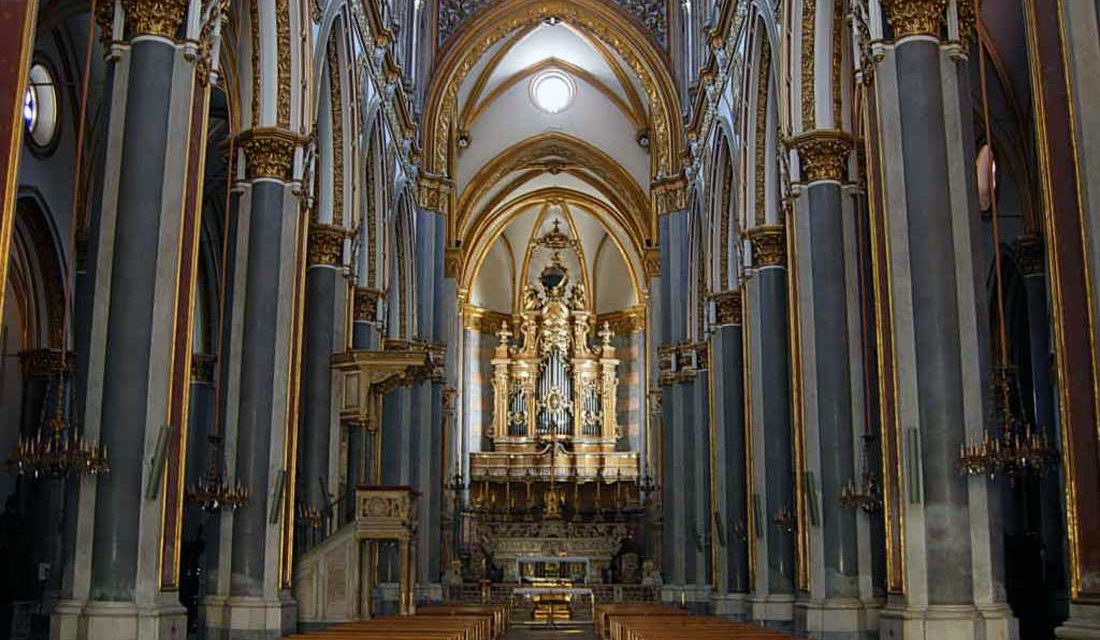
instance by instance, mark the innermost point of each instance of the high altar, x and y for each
(557, 481)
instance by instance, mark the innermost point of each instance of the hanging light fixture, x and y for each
(57, 450)
(1017, 448)
(213, 492)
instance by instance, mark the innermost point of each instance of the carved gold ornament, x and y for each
(915, 17)
(366, 304)
(823, 154)
(769, 245)
(727, 307)
(326, 244)
(155, 17)
(270, 152)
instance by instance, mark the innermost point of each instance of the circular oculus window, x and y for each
(553, 91)
(40, 108)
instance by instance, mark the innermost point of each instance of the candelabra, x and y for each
(59, 452)
(784, 519)
(1019, 449)
(866, 495)
(212, 492)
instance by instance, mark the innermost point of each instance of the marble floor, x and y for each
(520, 632)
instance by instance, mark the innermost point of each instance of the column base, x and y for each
(774, 611)
(958, 622)
(1083, 623)
(730, 605)
(75, 620)
(833, 619)
(241, 618)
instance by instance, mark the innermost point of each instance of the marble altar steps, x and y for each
(444, 622)
(661, 622)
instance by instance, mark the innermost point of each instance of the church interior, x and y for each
(513, 319)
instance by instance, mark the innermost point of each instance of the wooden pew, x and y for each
(655, 622)
(442, 622)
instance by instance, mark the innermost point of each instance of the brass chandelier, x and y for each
(58, 451)
(1017, 448)
(212, 492)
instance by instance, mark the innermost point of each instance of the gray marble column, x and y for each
(259, 405)
(323, 285)
(936, 325)
(769, 255)
(131, 324)
(727, 370)
(952, 585)
(826, 322)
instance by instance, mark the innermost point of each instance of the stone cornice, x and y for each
(823, 154)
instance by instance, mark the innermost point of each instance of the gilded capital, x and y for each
(326, 244)
(670, 194)
(823, 154)
(202, 367)
(452, 263)
(651, 261)
(44, 362)
(727, 307)
(433, 193)
(769, 245)
(270, 152)
(1029, 255)
(154, 17)
(366, 304)
(915, 17)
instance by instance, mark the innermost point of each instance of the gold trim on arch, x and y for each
(476, 250)
(586, 160)
(606, 23)
(472, 111)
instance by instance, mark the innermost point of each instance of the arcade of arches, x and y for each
(780, 311)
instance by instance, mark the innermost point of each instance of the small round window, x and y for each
(40, 108)
(552, 91)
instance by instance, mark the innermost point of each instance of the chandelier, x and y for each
(212, 492)
(1019, 449)
(867, 494)
(60, 451)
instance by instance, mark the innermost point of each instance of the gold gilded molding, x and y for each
(433, 193)
(727, 307)
(336, 98)
(589, 16)
(366, 304)
(651, 262)
(838, 58)
(823, 154)
(624, 322)
(45, 362)
(452, 263)
(761, 151)
(915, 17)
(270, 152)
(326, 244)
(809, 23)
(769, 245)
(680, 363)
(155, 17)
(282, 28)
(105, 20)
(257, 73)
(202, 367)
(968, 22)
(484, 321)
(669, 195)
(1029, 255)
